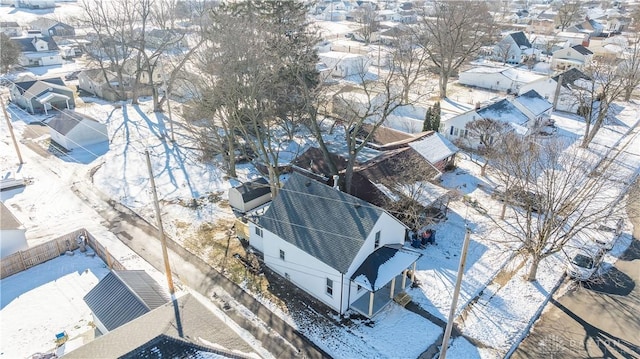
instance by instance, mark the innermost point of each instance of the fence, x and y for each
(41, 253)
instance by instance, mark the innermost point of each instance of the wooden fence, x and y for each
(41, 253)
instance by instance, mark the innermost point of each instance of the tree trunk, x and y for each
(503, 212)
(483, 169)
(627, 94)
(443, 85)
(533, 270)
(348, 174)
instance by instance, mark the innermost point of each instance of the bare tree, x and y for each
(482, 136)
(409, 61)
(629, 68)
(9, 52)
(597, 96)
(557, 197)
(502, 51)
(366, 16)
(453, 33)
(568, 13)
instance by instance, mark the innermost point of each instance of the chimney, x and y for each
(478, 105)
(336, 184)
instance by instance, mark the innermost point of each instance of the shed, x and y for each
(123, 296)
(250, 195)
(72, 129)
(12, 233)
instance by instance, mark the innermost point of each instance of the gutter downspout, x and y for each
(341, 292)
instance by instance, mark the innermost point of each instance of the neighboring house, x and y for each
(196, 333)
(454, 128)
(542, 24)
(250, 195)
(38, 51)
(547, 88)
(514, 48)
(12, 233)
(590, 27)
(351, 102)
(35, 4)
(534, 106)
(123, 296)
(169, 39)
(10, 28)
(40, 96)
(99, 83)
(437, 150)
(344, 64)
(72, 130)
(131, 68)
(51, 27)
(573, 38)
(386, 138)
(311, 163)
(338, 248)
(497, 78)
(576, 56)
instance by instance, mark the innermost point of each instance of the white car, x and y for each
(584, 264)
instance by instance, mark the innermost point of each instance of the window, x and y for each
(451, 130)
(330, 287)
(259, 231)
(377, 241)
(466, 133)
(359, 288)
(455, 132)
(281, 254)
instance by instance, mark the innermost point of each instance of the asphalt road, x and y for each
(597, 320)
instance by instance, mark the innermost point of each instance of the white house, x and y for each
(507, 79)
(12, 233)
(454, 128)
(10, 28)
(576, 56)
(548, 87)
(339, 249)
(35, 4)
(343, 64)
(39, 96)
(72, 129)
(573, 38)
(250, 195)
(38, 51)
(514, 48)
(534, 106)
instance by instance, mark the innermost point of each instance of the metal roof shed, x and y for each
(250, 195)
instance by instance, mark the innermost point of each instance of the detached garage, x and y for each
(250, 195)
(71, 130)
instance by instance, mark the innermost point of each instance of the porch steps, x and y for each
(402, 298)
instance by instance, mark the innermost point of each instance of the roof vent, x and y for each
(336, 183)
(307, 184)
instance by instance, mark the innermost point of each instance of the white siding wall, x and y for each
(458, 123)
(305, 271)
(492, 81)
(51, 59)
(235, 200)
(547, 89)
(255, 240)
(87, 133)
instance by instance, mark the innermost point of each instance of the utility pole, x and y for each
(13, 137)
(165, 255)
(456, 293)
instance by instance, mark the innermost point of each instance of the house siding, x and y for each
(11, 241)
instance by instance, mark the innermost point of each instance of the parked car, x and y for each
(72, 75)
(585, 263)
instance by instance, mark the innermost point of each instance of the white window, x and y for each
(281, 254)
(455, 132)
(330, 287)
(259, 231)
(377, 241)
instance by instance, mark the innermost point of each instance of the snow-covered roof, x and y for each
(434, 148)
(383, 265)
(521, 75)
(504, 111)
(425, 193)
(532, 101)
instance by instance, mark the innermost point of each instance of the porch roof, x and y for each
(50, 96)
(383, 265)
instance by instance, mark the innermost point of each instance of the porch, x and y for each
(382, 297)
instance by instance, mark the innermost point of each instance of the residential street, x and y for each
(598, 320)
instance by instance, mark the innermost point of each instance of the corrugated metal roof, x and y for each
(254, 189)
(326, 223)
(122, 296)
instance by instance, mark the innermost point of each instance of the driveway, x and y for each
(598, 320)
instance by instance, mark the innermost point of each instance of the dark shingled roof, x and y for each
(254, 189)
(370, 267)
(521, 39)
(26, 85)
(324, 222)
(67, 120)
(26, 43)
(583, 50)
(570, 76)
(164, 346)
(123, 296)
(313, 160)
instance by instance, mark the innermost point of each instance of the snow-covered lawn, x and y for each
(45, 300)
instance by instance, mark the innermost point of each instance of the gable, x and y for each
(520, 39)
(326, 223)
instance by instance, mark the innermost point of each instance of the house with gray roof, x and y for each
(52, 27)
(38, 51)
(534, 106)
(576, 56)
(343, 251)
(196, 332)
(514, 48)
(123, 296)
(40, 96)
(571, 84)
(72, 130)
